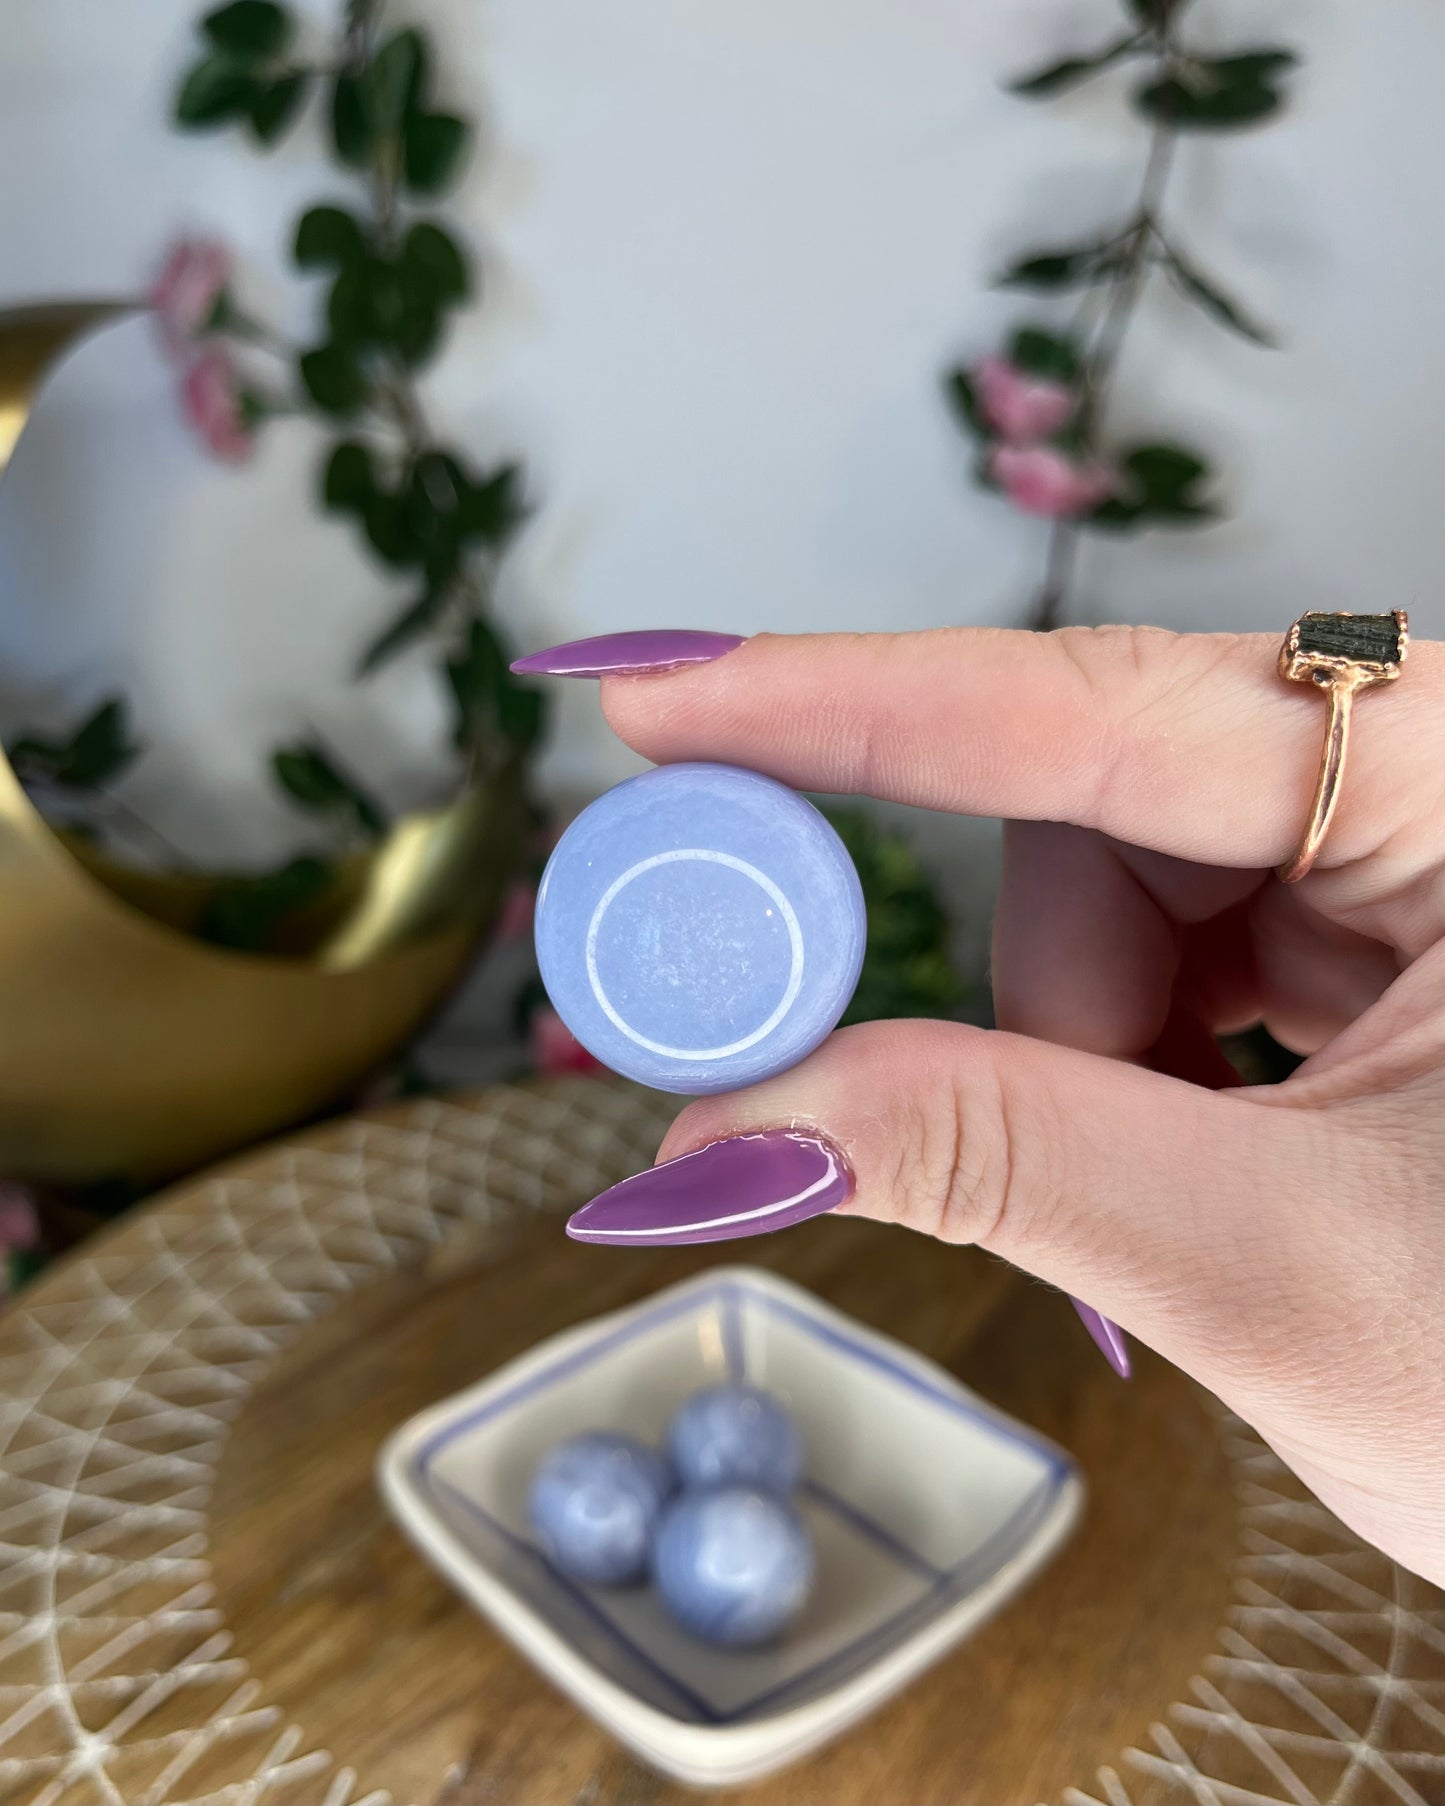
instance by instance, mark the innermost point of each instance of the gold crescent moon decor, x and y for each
(132, 1049)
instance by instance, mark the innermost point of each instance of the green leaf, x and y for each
(395, 80)
(351, 307)
(907, 966)
(255, 407)
(1208, 295)
(378, 301)
(1160, 485)
(349, 478)
(963, 399)
(95, 754)
(430, 275)
(274, 104)
(214, 91)
(246, 914)
(1217, 94)
(492, 510)
(328, 238)
(433, 146)
(333, 379)
(1116, 516)
(1165, 475)
(1073, 70)
(477, 675)
(432, 502)
(417, 324)
(1155, 13)
(436, 486)
(384, 517)
(522, 714)
(408, 626)
(435, 258)
(350, 125)
(21, 1266)
(103, 748)
(253, 29)
(311, 778)
(485, 691)
(1218, 110)
(441, 560)
(1045, 354)
(1049, 271)
(1248, 65)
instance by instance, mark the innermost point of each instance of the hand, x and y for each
(1283, 1244)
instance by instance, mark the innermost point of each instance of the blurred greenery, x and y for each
(248, 913)
(97, 751)
(908, 968)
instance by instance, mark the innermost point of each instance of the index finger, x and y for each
(1190, 744)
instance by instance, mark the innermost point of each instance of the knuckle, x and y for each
(1136, 684)
(1105, 663)
(967, 1159)
(877, 743)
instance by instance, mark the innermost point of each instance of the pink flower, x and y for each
(1021, 408)
(185, 294)
(19, 1227)
(1038, 479)
(19, 1224)
(553, 1046)
(211, 396)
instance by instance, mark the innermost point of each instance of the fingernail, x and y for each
(746, 1185)
(1108, 1337)
(628, 654)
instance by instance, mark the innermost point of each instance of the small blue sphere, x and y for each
(735, 1434)
(594, 1504)
(733, 1566)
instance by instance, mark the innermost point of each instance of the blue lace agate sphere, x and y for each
(595, 1503)
(700, 928)
(734, 1566)
(735, 1434)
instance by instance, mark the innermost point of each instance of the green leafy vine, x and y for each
(1037, 413)
(394, 275)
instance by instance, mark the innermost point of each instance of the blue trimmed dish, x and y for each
(928, 1508)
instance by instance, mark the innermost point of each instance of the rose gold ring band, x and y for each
(1340, 654)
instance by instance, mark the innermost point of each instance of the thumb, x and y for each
(1154, 1199)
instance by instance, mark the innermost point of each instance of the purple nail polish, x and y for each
(1108, 1337)
(746, 1185)
(628, 654)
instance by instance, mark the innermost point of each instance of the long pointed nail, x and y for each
(746, 1185)
(1108, 1337)
(628, 654)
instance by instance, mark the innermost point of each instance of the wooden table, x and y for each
(202, 1598)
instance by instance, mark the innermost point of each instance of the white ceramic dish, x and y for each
(929, 1509)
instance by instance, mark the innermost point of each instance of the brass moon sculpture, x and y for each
(129, 1048)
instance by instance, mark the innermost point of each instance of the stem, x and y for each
(1048, 606)
(137, 824)
(1128, 282)
(396, 392)
(258, 333)
(1122, 295)
(106, 807)
(402, 405)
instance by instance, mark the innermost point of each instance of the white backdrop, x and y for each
(729, 245)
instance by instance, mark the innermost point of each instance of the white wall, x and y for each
(729, 245)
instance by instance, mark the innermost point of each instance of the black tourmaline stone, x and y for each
(1374, 639)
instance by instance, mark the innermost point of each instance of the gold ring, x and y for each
(1341, 654)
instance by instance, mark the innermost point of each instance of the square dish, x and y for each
(928, 1507)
